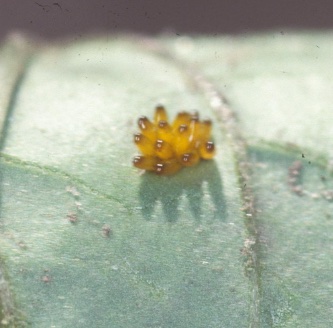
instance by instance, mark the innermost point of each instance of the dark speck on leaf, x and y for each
(106, 229)
(46, 278)
(72, 217)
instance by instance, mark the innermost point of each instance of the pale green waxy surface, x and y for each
(180, 251)
(172, 258)
(296, 253)
(279, 85)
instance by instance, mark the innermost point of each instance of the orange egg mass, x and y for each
(166, 148)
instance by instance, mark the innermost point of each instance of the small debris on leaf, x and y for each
(72, 217)
(294, 172)
(106, 229)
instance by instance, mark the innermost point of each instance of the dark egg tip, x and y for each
(143, 119)
(163, 124)
(159, 168)
(186, 158)
(137, 137)
(159, 143)
(207, 122)
(210, 146)
(189, 159)
(142, 122)
(137, 160)
(182, 113)
(182, 128)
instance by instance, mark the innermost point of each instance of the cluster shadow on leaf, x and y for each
(194, 183)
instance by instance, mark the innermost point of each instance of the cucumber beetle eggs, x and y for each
(167, 147)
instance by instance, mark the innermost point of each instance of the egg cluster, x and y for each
(166, 148)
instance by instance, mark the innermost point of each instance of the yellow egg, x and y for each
(147, 128)
(145, 145)
(207, 150)
(160, 114)
(168, 167)
(190, 159)
(163, 149)
(164, 132)
(181, 118)
(145, 162)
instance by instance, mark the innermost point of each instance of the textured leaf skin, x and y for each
(278, 86)
(180, 251)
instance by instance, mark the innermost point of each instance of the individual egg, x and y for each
(206, 127)
(164, 132)
(145, 162)
(147, 128)
(182, 141)
(182, 118)
(168, 167)
(207, 150)
(163, 149)
(205, 130)
(160, 114)
(190, 159)
(145, 145)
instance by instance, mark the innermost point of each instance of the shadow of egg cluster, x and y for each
(198, 188)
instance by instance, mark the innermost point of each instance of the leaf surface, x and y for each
(172, 257)
(240, 241)
(278, 85)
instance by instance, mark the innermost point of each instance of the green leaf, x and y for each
(240, 241)
(278, 84)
